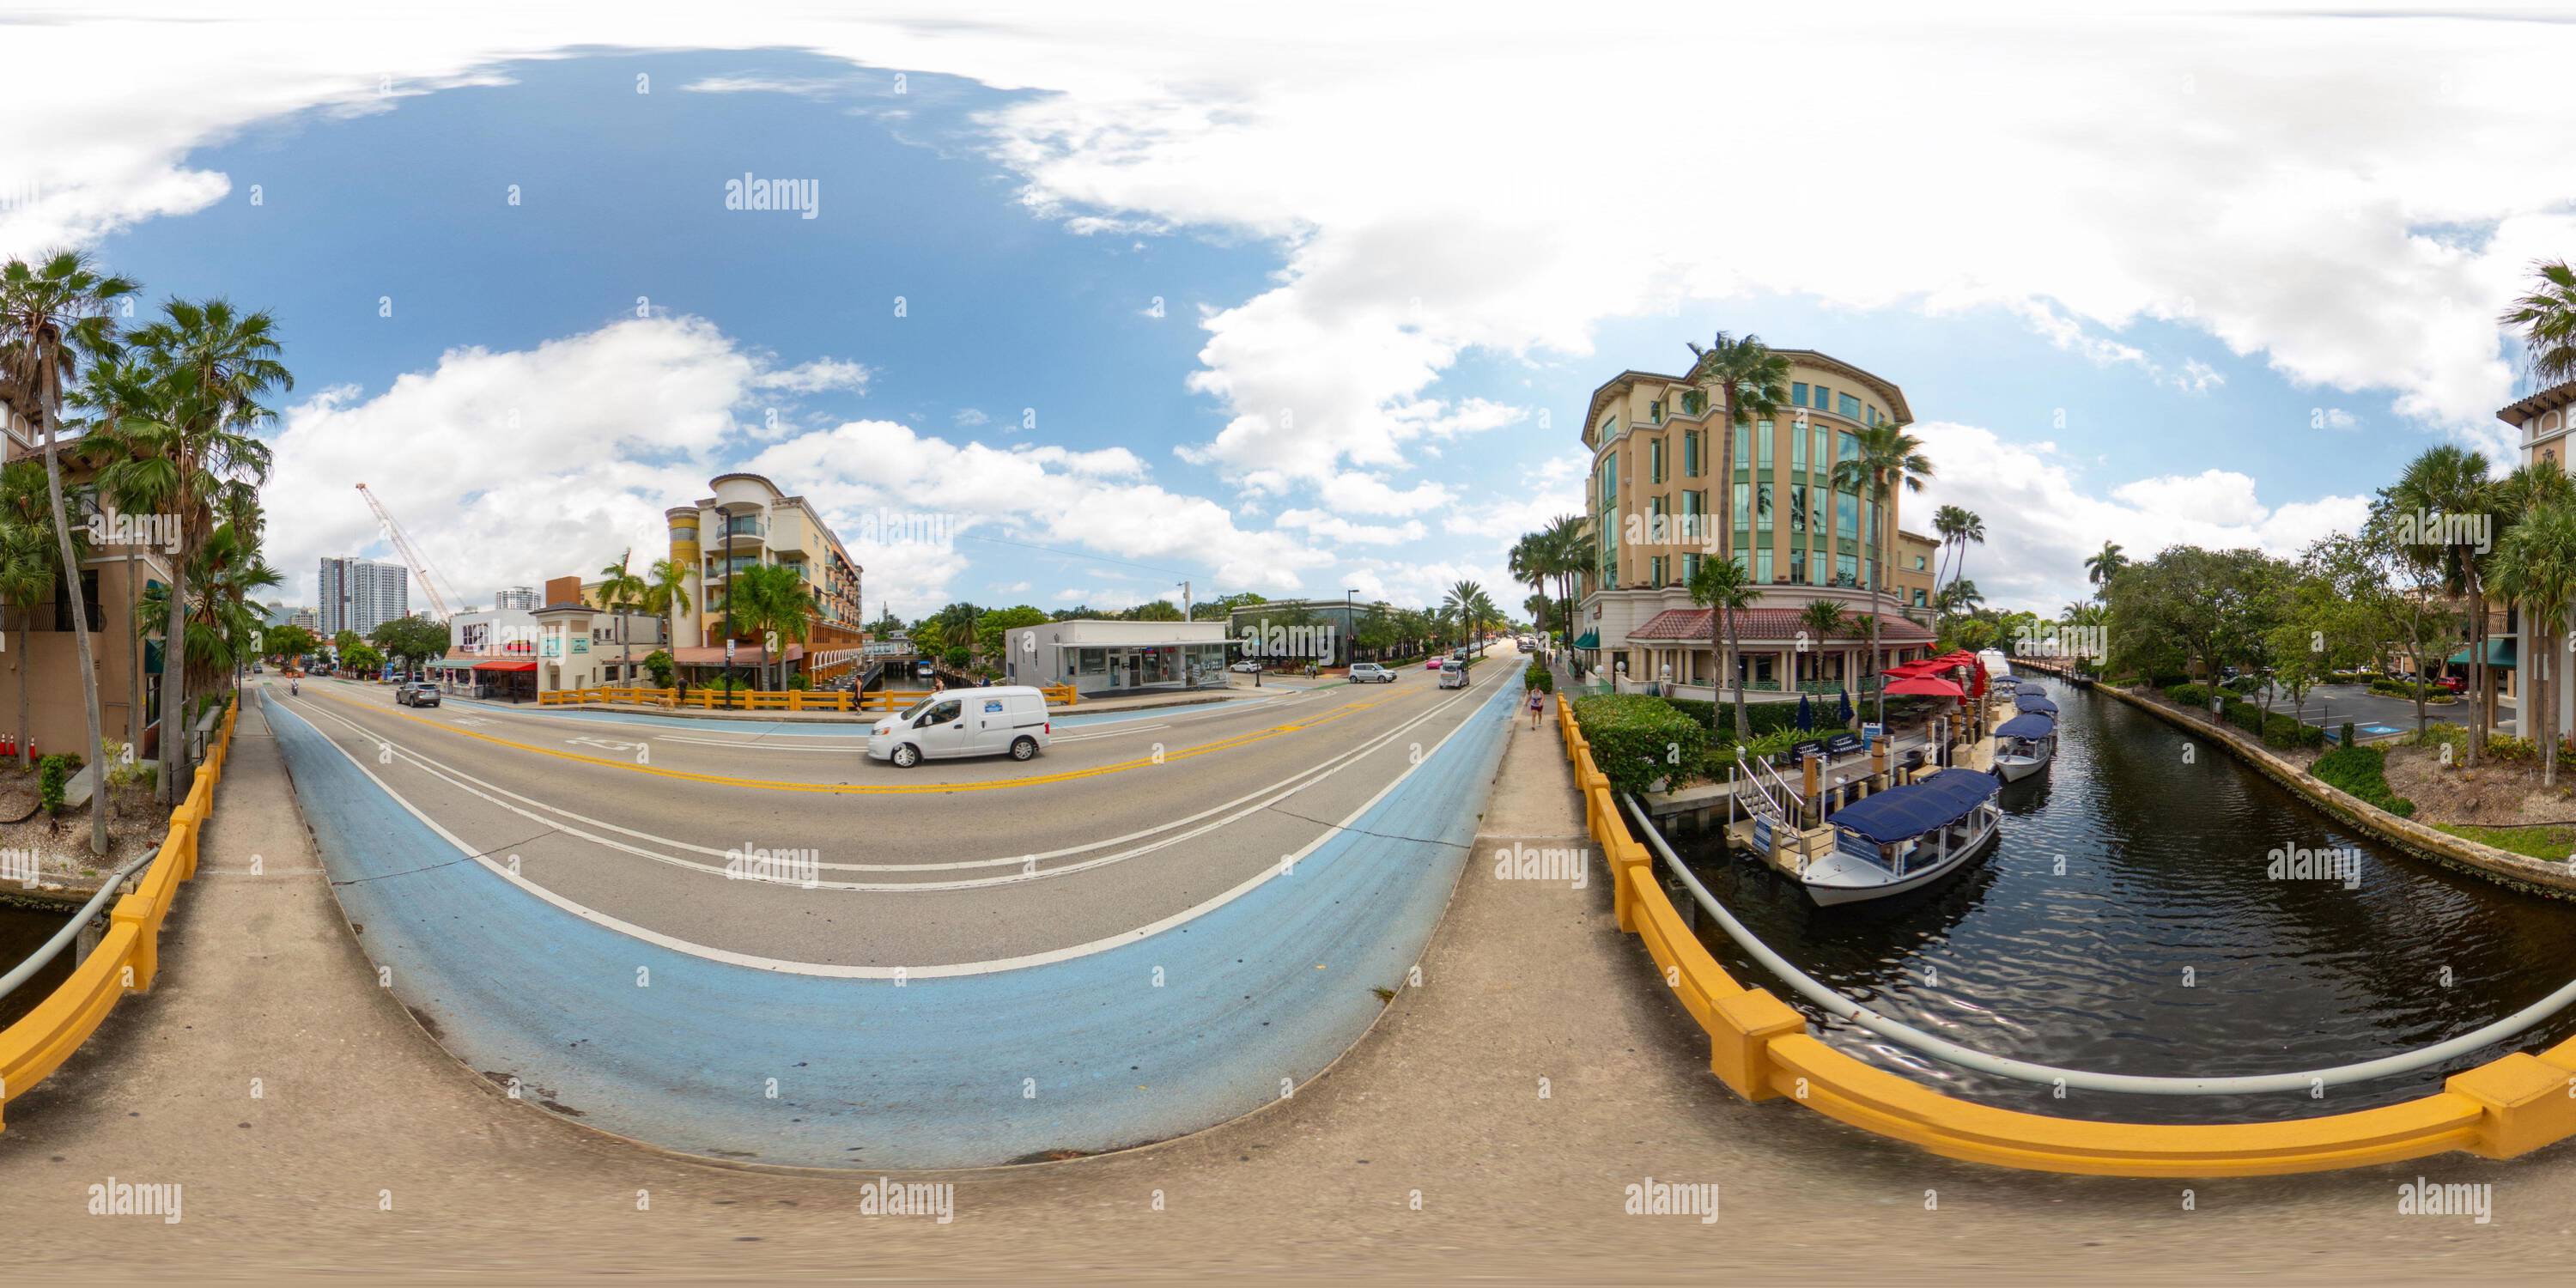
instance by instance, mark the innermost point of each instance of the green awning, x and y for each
(1588, 639)
(2499, 654)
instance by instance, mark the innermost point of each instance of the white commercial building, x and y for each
(1095, 657)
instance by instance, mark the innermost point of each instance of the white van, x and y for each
(1006, 719)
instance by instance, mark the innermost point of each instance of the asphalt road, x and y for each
(2330, 705)
(1171, 919)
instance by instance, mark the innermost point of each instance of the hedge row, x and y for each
(2363, 772)
(2277, 730)
(1539, 678)
(1760, 717)
(1637, 738)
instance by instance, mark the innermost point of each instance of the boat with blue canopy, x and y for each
(2024, 745)
(2026, 703)
(1905, 838)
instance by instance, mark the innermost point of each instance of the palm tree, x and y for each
(1946, 523)
(2448, 480)
(1529, 562)
(114, 390)
(1468, 603)
(215, 365)
(1572, 551)
(1887, 457)
(2535, 563)
(1752, 384)
(2101, 567)
(1972, 532)
(1726, 588)
(2547, 317)
(774, 604)
(666, 593)
(620, 592)
(1820, 619)
(53, 317)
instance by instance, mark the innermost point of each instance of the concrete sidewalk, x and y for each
(1489, 1127)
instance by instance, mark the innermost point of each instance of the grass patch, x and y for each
(2363, 772)
(2555, 844)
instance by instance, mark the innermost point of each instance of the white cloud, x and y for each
(969, 418)
(2212, 496)
(628, 416)
(2280, 182)
(2040, 521)
(815, 376)
(1341, 531)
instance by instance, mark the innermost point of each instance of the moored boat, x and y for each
(2024, 745)
(1905, 838)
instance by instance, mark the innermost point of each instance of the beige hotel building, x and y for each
(1652, 505)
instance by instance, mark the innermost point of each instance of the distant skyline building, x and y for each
(361, 594)
(524, 598)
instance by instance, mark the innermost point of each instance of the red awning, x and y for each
(505, 666)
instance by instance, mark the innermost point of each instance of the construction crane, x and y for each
(419, 563)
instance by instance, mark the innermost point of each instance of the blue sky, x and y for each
(1379, 276)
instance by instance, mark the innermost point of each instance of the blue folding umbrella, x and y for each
(1806, 714)
(1843, 701)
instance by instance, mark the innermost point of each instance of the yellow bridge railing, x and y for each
(128, 956)
(1760, 1048)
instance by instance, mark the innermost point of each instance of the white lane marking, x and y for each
(1019, 860)
(1105, 733)
(950, 970)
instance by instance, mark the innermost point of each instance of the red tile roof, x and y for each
(1771, 626)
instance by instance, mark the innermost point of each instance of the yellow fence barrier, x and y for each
(128, 956)
(1061, 695)
(1760, 1048)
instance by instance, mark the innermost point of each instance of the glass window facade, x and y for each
(1847, 406)
(1797, 395)
(1762, 446)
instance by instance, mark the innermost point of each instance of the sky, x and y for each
(1107, 299)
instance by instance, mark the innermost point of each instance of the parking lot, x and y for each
(2376, 715)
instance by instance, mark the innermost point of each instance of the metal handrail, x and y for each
(53, 947)
(1949, 1052)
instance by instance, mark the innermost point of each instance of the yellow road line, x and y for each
(853, 789)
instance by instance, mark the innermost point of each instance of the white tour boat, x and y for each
(1905, 838)
(2024, 745)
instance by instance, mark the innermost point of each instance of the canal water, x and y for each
(2129, 920)
(22, 932)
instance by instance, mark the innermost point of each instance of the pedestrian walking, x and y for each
(1535, 702)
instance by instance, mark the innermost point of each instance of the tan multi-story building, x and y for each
(2544, 420)
(1652, 503)
(749, 522)
(1911, 574)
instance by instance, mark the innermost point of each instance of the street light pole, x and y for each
(1350, 627)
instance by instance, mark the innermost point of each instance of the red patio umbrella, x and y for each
(1924, 686)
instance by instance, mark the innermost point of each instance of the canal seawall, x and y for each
(2520, 871)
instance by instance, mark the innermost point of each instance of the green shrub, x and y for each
(663, 667)
(798, 683)
(2348, 739)
(1637, 739)
(2188, 695)
(1763, 717)
(53, 776)
(1540, 678)
(2511, 750)
(2439, 734)
(2363, 772)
